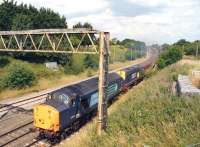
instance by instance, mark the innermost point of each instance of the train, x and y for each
(69, 107)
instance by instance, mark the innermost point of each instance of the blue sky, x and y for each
(152, 21)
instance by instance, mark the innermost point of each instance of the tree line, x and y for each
(170, 54)
(23, 16)
(135, 48)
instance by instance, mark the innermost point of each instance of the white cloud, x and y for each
(178, 3)
(178, 18)
(149, 2)
(173, 23)
(68, 7)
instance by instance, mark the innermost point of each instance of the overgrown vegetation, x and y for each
(169, 57)
(3, 61)
(149, 114)
(76, 65)
(171, 53)
(189, 48)
(18, 76)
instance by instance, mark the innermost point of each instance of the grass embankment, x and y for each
(148, 114)
(47, 79)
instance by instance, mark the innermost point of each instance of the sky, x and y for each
(151, 21)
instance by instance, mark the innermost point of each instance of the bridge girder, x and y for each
(15, 41)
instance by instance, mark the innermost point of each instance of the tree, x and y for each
(87, 25)
(12, 15)
(182, 42)
(130, 43)
(7, 13)
(22, 22)
(115, 41)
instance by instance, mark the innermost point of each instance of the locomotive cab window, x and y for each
(62, 98)
(65, 99)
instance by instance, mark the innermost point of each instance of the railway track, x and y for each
(17, 130)
(20, 111)
(21, 103)
(16, 123)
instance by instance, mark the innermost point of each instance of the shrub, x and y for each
(76, 65)
(79, 63)
(169, 57)
(67, 69)
(19, 76)
(161, 63)
(4, 61)
(91, 61)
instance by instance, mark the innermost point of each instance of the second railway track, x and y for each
(14, 130)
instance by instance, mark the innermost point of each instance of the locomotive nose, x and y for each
(46, 117)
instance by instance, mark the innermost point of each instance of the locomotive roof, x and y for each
(82, 89)
(86, 87)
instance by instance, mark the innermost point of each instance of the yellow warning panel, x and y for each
(122, 74)
(46, 117)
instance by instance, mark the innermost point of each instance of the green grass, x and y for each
(150, 114)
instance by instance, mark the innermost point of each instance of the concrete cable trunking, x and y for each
(185, 86)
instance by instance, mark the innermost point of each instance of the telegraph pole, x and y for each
(103, 81)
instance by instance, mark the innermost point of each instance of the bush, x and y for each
(19, 76)
(4, 61)
(161, 63)
(169, 57)
(68, 69)
(79, 63)
(91, 61)
(76, 65)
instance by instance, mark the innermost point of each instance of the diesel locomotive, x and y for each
(65, 109)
